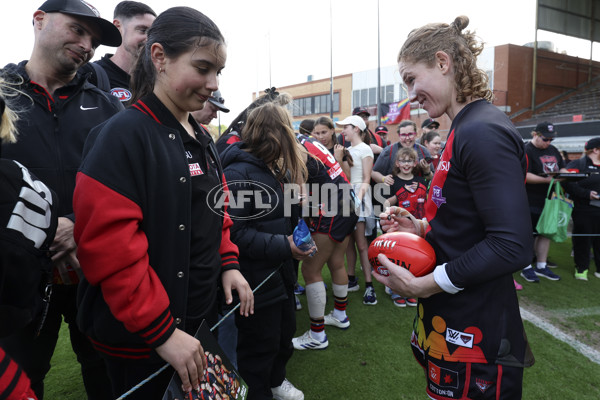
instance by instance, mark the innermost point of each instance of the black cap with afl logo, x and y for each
(110, 34)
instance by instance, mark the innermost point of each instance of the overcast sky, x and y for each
(281, 42)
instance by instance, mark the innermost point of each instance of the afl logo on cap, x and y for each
(121, 94)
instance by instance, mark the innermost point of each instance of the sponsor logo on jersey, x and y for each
(459, 338)
(121, 93)
(442, 377)
(483, 385)
(436, 196)
(444, 166)
(195, 169)
(334, 171)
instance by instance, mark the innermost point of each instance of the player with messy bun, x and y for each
(468, 334)
(423, 43)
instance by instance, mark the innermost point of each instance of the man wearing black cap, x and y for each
(60, 107)
(429, 124)
(132, 19)
(214, 104)
(382, 131)
(545, 161)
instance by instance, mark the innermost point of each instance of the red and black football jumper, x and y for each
(324, 169)
(411, 194)
(480, 229)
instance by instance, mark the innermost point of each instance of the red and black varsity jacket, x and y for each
(133, 228)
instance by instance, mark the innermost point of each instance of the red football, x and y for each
(404, 249)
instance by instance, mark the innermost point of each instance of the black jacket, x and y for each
(580, 190)
(260, 228)
(133, 230)
(53, 129)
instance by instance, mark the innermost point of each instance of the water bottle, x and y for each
(302, 238)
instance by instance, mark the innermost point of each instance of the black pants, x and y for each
(33, 353)
(125, 375)
(265, 346)
(585, 224)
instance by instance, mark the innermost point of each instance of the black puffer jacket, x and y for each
(260, 227)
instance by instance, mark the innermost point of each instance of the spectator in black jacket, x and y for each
(28, 220)
(261, 164)
(133, 19)
(586, 213)
(61, 107)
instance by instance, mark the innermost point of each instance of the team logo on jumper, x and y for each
(195, 169)
(459, 338)
(442, 377)
(549, 163)
(437, 197)
(483, 385)
(121, 93)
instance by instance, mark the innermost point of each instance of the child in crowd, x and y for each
(268, 156)
(355, 132)
(409, 192)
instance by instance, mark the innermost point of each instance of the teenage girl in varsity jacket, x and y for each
(152, 251)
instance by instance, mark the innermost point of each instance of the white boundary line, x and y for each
(592, 354)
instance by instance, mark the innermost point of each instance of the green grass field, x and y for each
(372, 359)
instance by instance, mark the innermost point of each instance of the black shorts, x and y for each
(535, 213)
(336, 227)
(472, 381)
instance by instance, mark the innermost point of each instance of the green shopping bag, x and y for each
(556, 214)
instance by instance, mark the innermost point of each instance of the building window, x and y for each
(314, 105)
(368, 97)
(372, 96)
(388, 94)
(364, 97)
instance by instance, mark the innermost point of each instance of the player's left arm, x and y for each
(493, 162)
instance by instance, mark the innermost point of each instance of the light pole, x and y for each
(330, 63)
